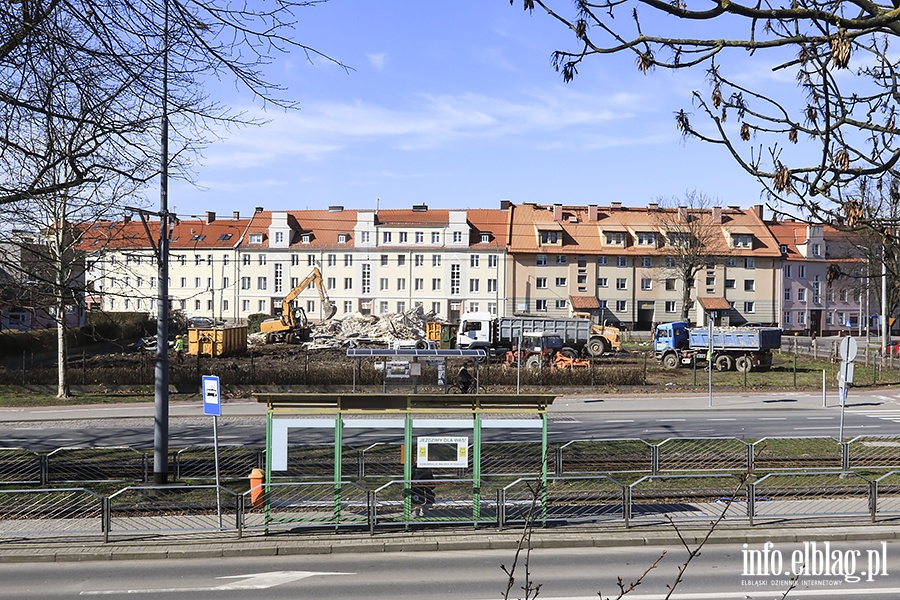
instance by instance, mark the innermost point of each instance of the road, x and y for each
(752, 415)
(720, 572)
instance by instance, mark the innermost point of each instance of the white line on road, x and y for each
(620, 421)
(773, 418)
(670, 420)
(819, 418)
(257, 581)
(721, 419)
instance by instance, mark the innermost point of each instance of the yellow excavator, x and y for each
(293, 325)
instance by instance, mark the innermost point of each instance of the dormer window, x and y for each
(817, 250)
(306, 238)
(197, 238)
(615, 238)
(784, 249)
(343, 238)
(256, 238)
(224, 237)
(646, 238)
(279, 237)
(548, 237)
(485, 238)
(742, 240)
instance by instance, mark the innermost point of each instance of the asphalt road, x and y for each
(751, 415)
(720, 572)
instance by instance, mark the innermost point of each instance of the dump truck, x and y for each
(293, 325)
(542, 350)
(498, 335)
(733, 348)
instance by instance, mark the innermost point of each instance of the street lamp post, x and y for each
(161, 374)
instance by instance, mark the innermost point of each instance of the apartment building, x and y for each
(618, 263)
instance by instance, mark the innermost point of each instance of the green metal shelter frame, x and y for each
(340, 407)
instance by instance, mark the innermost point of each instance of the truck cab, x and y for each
(475, 331)
(670, 336)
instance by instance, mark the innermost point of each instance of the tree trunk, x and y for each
(62, 347)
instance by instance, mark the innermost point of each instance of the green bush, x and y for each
(254, 320)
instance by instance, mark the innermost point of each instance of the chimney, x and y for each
(126, 219)
(682, 214)
(420, 208)
(236, 215)
(335, 208)
(615, 206)
(557, 212)
(758, 209)
(653, 206)
(505, 204)
(210, 216)
(717, 215)
(593, 213)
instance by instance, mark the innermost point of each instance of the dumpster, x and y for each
(217, 341)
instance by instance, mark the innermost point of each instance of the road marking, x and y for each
(773, 418)
(755, 593)
(670, 420)
(721, 419)
(620, 421)
(820, 418)
(257, 581)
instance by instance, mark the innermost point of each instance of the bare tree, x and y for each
(842, 115)
(693, 241)
(120, 49)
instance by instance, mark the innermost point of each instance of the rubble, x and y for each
(358, 329)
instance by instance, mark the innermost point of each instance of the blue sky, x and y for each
(456, 104)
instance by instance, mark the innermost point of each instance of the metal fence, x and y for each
(142, 511)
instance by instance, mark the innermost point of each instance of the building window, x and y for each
(561, 304)
(787, 317)
(788, 270)
(383, 284)
(261, 283)
(620, 305)
(436, 260)
(262, 259)
(385, 239)
(749, 285)
(622, 261)
(279, 237)
(492, 286)
(646, 239)
(842, 295)
(562, 259)
(279, 278)
(331, 283)
(435, 284)
(670, 285)
(603, 282)
(418, 284)
(454, 279)
(401, 307)
(547, 237)
(749, 307)
(750, 263)
(245, 283)
(366, 279)
(647, 262)
(787, 294)
(419, 260)
(348, 306)
(474, 286)
(332, 260)
(670, 306)
(801, 271)
(348, 283)
(615, 238)
(560, 282)
(474, 261)
(385, 260)
(492, 261)
(646, 284)
(541, 260)
(401, 260)
(348, 260)
(729, 284)
(196, 282)
(602, 261)
(401, 284)
(245, 305)
(540, 305)
(817, 250)
(435, 237)
(801, 295)
(741, 240)
(621, 283)
(540, 283)
(420, 237)
(383, 307)
(342, 239)
(256, 238)
(404, 238)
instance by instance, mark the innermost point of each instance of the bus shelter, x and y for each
(439, 432)
(404, 364)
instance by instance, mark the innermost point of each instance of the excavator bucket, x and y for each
(330, 310)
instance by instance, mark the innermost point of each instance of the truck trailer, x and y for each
(498, 335)
(741, 348)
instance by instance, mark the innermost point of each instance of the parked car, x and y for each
(201, 322)
(891, 349)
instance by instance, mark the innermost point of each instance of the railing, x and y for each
(652, 500)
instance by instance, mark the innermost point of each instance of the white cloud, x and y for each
(377, 60)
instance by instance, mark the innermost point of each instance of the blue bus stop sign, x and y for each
(212, 404)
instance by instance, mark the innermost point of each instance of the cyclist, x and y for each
(464, 379)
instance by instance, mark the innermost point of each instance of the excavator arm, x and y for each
(329, 308)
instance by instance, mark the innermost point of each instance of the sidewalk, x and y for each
(284, 544)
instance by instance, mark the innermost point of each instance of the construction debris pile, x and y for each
(358, 329)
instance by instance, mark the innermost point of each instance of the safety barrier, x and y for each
(651, 500)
